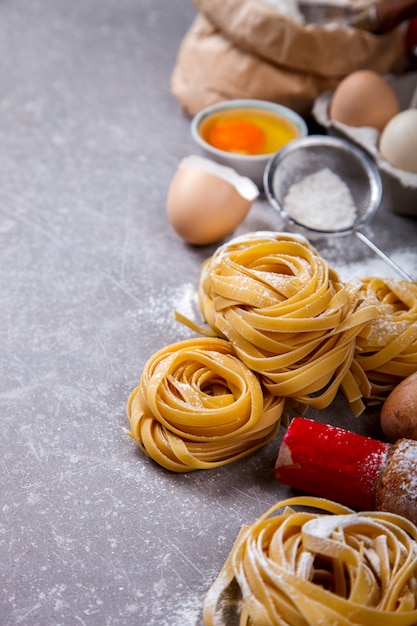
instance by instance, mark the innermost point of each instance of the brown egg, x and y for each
(364, 98)
(206, 201)
(399, 411)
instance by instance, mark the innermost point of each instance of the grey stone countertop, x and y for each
(92, 533)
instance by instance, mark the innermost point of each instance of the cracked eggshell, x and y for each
(206, 201)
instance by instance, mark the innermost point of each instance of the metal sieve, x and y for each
(305, 156)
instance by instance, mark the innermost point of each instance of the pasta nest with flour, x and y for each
(386, 348)
(287, 314)
(324, 564)
(198, 406)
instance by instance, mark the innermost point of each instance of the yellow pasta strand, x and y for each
(324, 565)
(198, 406)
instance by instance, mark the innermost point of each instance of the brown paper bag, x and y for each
(247, 49)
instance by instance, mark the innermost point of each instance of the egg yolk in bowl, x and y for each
(247, 131)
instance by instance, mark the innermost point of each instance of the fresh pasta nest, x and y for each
(323, 564)
(386, 348)
(198, 406)
(288, 315)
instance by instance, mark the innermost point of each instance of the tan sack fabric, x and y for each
(247, 49)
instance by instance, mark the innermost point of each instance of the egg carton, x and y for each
(400, 187)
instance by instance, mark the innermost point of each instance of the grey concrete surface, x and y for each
(92, 533)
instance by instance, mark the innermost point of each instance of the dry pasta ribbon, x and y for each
(198, 406)
(323, 564)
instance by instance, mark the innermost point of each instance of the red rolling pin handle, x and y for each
(330, 462)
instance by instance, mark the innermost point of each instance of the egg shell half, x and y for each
(364, 98)
(206, 201)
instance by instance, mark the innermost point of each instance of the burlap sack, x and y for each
(247, 49)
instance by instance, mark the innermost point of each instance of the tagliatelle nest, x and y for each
(288, 315)
(386, 348)
(198, 406)
(323, 565)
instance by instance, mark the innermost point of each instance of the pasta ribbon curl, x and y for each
(386, 348)
(288, 316)
(198, 406)
(323, 564)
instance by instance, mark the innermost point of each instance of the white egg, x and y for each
(206, 201)
(398, 141)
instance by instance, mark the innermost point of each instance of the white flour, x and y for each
(321, 201)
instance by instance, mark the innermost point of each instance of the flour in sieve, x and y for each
(321, 201)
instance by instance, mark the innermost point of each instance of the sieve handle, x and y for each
(382, 255)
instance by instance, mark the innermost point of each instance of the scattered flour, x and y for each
(159, 306)
(321, 201)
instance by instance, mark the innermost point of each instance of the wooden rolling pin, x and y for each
(354, 470)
